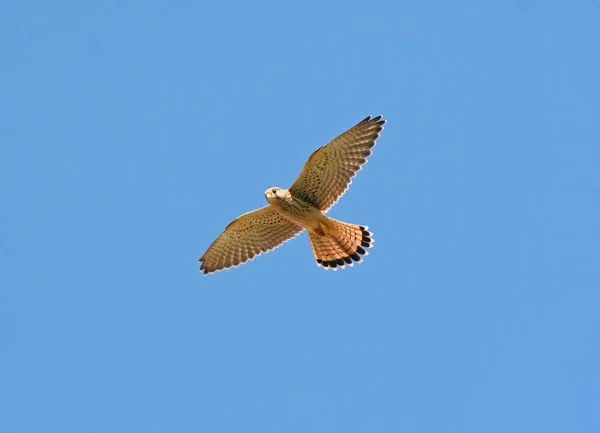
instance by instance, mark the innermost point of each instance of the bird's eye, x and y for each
(274, 191)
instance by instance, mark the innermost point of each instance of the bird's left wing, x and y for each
(329, 171)
(249, 235)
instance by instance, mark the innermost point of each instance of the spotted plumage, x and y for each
(326, 176)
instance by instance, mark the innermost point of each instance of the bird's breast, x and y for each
(299, 211)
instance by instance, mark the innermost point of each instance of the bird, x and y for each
(325, 177)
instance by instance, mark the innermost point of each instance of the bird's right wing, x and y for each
(249, 235)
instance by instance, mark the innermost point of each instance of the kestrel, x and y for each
(324, 179)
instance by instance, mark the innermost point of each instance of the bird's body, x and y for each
(326, 176)
(295, 209)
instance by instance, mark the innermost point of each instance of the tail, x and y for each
(340, 244)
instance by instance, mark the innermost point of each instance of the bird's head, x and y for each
(275, 193)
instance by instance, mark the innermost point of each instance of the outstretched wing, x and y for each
(249, 235)
(329, 171)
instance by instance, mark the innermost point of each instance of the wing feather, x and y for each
(246, 237)
(329, 170)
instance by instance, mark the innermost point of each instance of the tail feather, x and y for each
(342, 244)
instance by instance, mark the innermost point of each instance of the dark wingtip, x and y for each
(375, 120)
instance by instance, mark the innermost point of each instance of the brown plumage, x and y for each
(324, 179)
(343, 245)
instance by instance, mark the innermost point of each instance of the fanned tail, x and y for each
(342, 244)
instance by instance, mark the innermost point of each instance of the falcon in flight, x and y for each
(324, 179)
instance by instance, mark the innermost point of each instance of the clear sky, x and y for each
(132, 132)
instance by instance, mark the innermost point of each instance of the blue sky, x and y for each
(133, 132)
